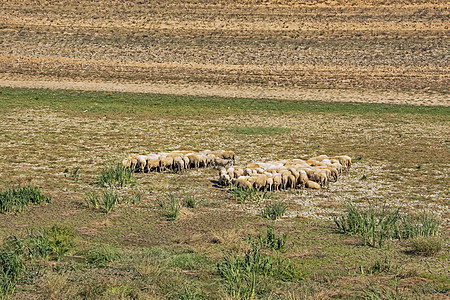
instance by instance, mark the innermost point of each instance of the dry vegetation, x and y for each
(398, 161)
(168, 241)
(271, 49)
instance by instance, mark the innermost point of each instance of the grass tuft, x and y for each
(103, 255)
(426, 246)
(61, 239)
(274, 211)
(170, 207)
(115, 174)
(15, 199)
(375, 225)
(244, 194)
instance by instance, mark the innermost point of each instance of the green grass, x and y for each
(108, 102)
(101, 256)
(61, 239)
(16, 198)
(376, 225)
(274, 211)
(170, 207)
(115, 174)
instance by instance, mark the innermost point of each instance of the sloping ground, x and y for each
(275, 49)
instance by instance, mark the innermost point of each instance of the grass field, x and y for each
(61, 140)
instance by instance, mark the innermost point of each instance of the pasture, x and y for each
(173, 235)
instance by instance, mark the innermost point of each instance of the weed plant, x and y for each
(274, 211)
(115, 174)
(244, 274)
(375, 226)
(270, 240)
(190, 201)
(244, 194)
(170, 207)
(103, 255)
(92, 200)
(61, 239)
(15, 199)
(109, 200)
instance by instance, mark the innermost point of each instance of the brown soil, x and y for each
(371, 51)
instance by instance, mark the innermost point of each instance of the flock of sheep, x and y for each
(177, 161)
(313, 173)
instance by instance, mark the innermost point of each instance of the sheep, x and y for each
(220, 162)
(303, 178)
(277, 181)
(244, 181)
(238, 172)
(344, 160)
(194, 160)
(178, 164)
(312, 185)
(230, 172)
(260, 182)
(126, 162)
(141, 162)
(153, 163)
(224, 180)
(165, 162)
(228, 155)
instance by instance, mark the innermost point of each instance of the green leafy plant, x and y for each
(243, 274)
(245, 194)
(376, 225)
(190, 201)
(274, 211)
(115, 174)
(270, 240)
(109, 200)
(103, 255)
(15, 199)
(92, 200)
(61, 239)
(170, 207)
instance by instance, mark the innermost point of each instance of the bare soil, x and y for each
(371, 51)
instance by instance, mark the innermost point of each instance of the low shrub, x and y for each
(15, 199)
